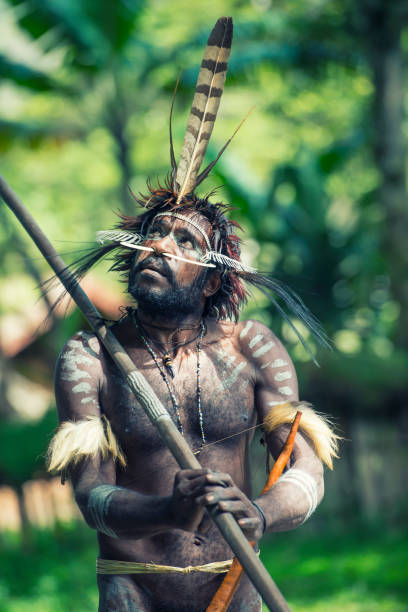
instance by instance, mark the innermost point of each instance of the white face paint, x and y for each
(255, 340)
(246, 329)
(285, 390)
(280, 376)
(264, 349)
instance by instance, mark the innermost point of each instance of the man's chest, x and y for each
(210, 397)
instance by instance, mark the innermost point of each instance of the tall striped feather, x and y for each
(209, 88)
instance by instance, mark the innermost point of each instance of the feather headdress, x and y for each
(208, 92)
(177, 199)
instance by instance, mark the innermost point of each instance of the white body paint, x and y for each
(229, 376)
(82, 387)
(94, 344)
(246, 329)
(285, 390)
(229, 361)
(278, 363)
(70, 360)
(264, 349)
(280, 376)
(255, 340)
(234, 374)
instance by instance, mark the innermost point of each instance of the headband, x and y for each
(187, 220)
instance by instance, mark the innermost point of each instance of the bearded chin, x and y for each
(173, 302)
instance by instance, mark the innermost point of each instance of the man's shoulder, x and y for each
(82, 351)
(245, 331)
(260, 345)
(250, 337)
(83, 341)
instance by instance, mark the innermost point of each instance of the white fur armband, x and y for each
(307, 484)
(76, 440)
(314, 425)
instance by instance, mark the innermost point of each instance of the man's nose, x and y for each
(165, 244)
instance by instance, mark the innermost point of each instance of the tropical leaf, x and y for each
(23, 75)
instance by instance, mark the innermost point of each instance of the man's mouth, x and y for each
(153, 268)
(151, 272)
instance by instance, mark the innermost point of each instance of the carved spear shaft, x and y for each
(151, 404)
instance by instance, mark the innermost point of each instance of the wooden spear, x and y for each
(150, 403)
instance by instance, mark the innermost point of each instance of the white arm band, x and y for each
(306, 483)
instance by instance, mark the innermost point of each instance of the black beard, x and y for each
(176, 302)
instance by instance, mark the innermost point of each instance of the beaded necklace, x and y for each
(164, 376)
(166, 357)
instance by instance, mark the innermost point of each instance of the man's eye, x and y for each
(186, 243)
(156, 233)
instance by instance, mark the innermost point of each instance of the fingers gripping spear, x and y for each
(154, 409)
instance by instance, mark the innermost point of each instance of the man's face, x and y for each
(162, 284)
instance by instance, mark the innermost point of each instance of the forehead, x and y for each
(191, 221)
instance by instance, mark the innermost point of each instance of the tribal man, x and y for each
(217, 376)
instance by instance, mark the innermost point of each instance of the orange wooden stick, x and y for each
(229, 585)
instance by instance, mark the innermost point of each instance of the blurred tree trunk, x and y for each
(6, 410)
(382, 26)
(26, 539)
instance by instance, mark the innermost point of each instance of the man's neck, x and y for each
(169, 332)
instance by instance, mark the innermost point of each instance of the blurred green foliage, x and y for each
(22, 446)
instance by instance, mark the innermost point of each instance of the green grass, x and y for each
(55, 574)
(361, 570)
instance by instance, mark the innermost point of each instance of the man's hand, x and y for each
(194, 490)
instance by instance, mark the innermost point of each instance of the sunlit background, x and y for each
(317, 176)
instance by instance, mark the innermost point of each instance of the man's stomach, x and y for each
(176, 548)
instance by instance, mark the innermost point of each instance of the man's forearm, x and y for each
(292, 500)
(123, 513)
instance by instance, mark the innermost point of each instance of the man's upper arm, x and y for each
(78, 379)
(276, 380)
(78, 376)
(276, 384)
